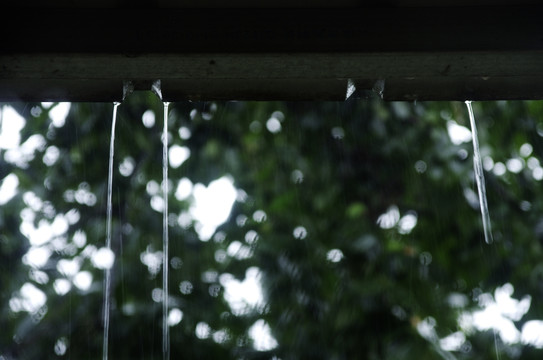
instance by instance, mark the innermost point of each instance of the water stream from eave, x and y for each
(127, 89)
(107, 280)
(165, 250)
(156, 88)
(479, 177)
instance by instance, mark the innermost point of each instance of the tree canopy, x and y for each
(359, 221)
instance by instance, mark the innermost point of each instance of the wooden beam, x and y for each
(410, 53)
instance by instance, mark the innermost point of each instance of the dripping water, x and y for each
(107, 282)
(165, 326)
(128, 87)
(479, 177)
(156, 88)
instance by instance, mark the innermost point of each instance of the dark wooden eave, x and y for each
(413, 52)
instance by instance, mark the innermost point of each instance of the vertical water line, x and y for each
(479, 177)
(156, 88)
(107, 282)
(165, 250)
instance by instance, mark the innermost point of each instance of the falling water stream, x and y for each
(165, 326)
(127, 89)
(165, 241)
(479, 177)
(107, 281)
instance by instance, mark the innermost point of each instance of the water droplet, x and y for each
(185, 287)
(525, 205)
(62, 286)
(241, 196)
(278, 115)
(202, 331)
(457, 133)
(36, 111)
(174, 317)
(488, 163)
(103, 258)
(299, 232)
(297, 176)
(38, 276)
(214, 290)
(178, 155)
(61, 346)
(425, 258)
(239, 251)
(193, 114)
(462, 154)
(51, 155)
(184, 133)
(273, 125)
(537, 173)
(338, 132)
(334, 255)
(241, 220)
(526, 150)
(407, 223)
(184, 189)
(475, 293)
(210, 276)
(157, 295)
(127, 166)
(499, 169)
(399, 312)
(148, 118)
(219, 237)
(220, 256)
(251, 237)
(58, 114)
(220, 336)
(466, 347)
(515, 165)
(389, 219)
(176, 262)
(255, 127)
(83, 280)
(259, 216)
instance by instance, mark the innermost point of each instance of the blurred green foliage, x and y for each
(341, 280)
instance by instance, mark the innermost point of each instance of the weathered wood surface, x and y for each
(418, 53)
